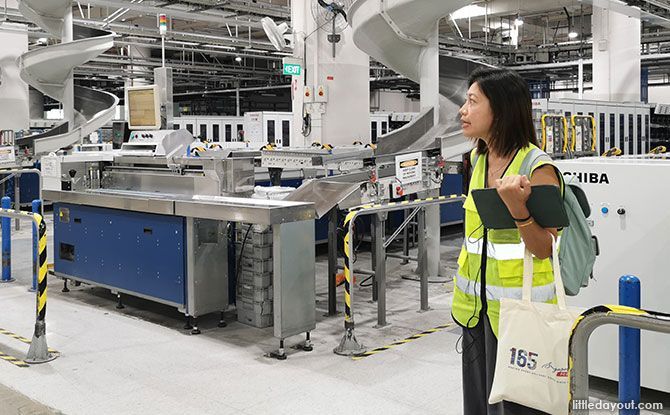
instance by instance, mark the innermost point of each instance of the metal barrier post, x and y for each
(629, 347)
(6, 203)
(578, 365)
(36, 208)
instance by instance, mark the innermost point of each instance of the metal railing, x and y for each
(349, 345)
(578, 365)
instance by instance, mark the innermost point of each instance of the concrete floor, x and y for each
(140, 361)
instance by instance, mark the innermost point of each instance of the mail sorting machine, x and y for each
(216, 129)
(149, 221)
(563, 139)
(624, 125)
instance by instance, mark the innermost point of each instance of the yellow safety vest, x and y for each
(504, 262)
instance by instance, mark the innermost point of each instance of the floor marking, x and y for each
(13, 360)
(403, 341)
(21, 338)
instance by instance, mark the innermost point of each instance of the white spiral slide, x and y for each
(403, 35)
(49, 70)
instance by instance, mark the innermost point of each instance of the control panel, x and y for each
(156, 143)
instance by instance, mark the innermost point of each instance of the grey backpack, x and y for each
(578, 247)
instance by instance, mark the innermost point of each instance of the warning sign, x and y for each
(408, 168)
(7, 154)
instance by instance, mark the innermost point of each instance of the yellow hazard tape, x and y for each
(13, 360)
(403, 341)
(21, 338)
(404, 202)
(626, 310)
(347, 270)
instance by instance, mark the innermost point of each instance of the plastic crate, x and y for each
(254, 252)
(253, 237)
(255, 266)
(255, 294)
(262, 308)
(247, 316)
(255, 280)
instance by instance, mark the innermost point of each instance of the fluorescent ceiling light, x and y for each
(498, 25)
(220, 47)
(472, 10)
(180, 42)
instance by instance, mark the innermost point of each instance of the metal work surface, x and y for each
(129, 201)
(265, 212)
(325, 194)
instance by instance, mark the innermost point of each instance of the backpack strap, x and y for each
(534, 157)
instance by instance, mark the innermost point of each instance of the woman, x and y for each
(497, 116)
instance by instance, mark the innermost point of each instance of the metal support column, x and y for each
(374, 231)
(332, 262)
(379, 223)
(17, 200)
(423, 259)
(405, 239)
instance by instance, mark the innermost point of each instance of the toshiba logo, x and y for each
(592, 178)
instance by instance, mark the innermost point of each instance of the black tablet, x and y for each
(545, 205)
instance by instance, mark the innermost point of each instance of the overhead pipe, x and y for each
(233, 90)
(200, 50)
(179, 14)
(551, 65)
(197, 37)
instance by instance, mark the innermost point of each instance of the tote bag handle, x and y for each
(526, 292)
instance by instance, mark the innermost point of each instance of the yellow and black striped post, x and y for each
(348, 345)
(39, 351)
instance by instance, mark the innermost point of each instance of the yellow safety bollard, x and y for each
(39, 351)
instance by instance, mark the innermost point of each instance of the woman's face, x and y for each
(476, 114)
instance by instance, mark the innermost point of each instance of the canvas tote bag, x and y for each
(532, 359)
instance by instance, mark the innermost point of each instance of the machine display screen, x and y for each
(143, 109)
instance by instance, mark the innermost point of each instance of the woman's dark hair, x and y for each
(509, 97)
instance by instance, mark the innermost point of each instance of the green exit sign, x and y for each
(292, 69)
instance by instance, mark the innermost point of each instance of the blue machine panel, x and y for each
(138, 252)
(452, 212)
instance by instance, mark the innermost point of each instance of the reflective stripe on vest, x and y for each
(499, 252)
(542, 293)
